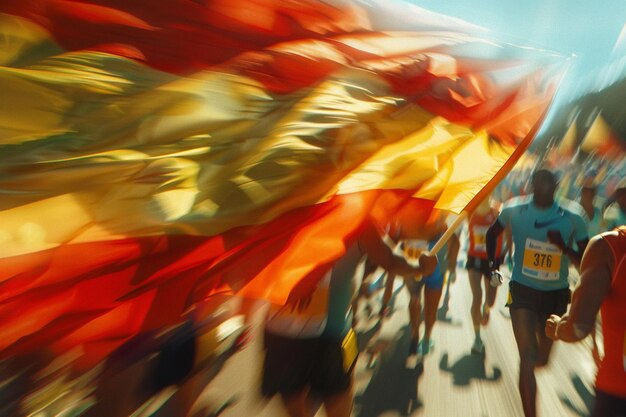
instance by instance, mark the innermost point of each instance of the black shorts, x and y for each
(293, 364)
(480, 264)
(607, 405)
(174, 361)
(542, 302)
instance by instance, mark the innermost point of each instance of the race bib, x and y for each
(414, 248)
(480, 238)
(542, 260)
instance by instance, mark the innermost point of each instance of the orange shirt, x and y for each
(478, 226)
(611, 377)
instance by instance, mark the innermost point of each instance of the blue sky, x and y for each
(584, 28)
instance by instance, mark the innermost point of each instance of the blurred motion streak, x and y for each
(153, 157)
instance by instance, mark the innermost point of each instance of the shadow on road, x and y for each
(586, 396)
(442, 313)
(467, 368)
(393, 387)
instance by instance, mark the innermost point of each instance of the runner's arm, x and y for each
(492, 239)
(594, 285)
(575, 257)
(372, 243)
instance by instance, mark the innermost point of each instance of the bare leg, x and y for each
(490, 299)
(415, 316)
(475, 278)
(491, 292)
(431, 302)
(525, 323)
(415, 313)
(544, 344)
(388, 293)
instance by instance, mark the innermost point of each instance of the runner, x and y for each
(477, 266)
(310, 345)
(602, 285)
(593, 212)
(432, 286)
(543, 234)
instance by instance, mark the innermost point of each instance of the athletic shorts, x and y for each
(294, 364)
(174, 361)
(480, 264)
(432, 282)
(607, 405)
(542, 302)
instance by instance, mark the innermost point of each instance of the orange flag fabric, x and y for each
(151, 157)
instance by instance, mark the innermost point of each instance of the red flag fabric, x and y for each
(151, 157)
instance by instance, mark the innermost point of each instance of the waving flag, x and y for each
(153, 156)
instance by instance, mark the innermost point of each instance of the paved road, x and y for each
(452, 382)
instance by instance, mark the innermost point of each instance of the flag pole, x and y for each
(449, 232)
(491, 185)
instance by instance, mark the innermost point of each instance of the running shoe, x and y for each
(424, 348)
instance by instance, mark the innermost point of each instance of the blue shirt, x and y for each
(596, 224)
(536, 262)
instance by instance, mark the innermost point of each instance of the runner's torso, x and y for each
(328, 314)
(478, 226)
(538, 263)
(611, 376)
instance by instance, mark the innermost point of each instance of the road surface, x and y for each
(452, 382)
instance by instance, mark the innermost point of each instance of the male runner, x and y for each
(543, 233)
(602, 285)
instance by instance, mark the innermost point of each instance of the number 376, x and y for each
(542, 260)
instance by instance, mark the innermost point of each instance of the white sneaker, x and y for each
(478, 347)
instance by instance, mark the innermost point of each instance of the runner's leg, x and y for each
(524, 323)
(477, 298)
(415, 314)
(431, 303)
(387, 294)
(490, 299)
(544, 344)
